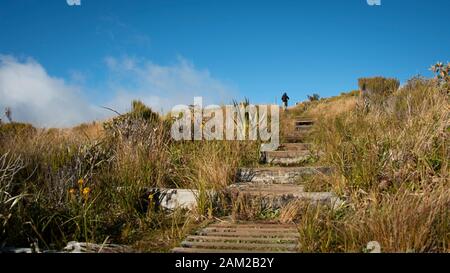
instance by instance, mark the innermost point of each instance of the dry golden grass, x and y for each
(119, 162)
(391, 161)
(404, 221)
(92, 130)
(317, 110)
(332, 108)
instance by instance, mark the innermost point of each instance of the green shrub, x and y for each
(140, 110)
(353, 93)
(9, 195)
(378, 85)
(16, 129)
(442, 75)
(314, 97)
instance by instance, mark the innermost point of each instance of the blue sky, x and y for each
(107, 52)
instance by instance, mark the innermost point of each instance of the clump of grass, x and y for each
(405, 221)
(391, 165)
(244, 207)
(16, 130)
(250, 207)
(9, 197)
(120, 163)
(292, 212)
(211, 168)
(316, 183)
(403, 142)
(379, 86)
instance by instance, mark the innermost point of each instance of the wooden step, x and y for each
(271, 230)
(294, 147)
(303, 128)
(186, 250)
(268, 189)
(292, 157)
(278, 175)
(255, 224)
(305, 122)
(238, 234)
(298, 134)
(277, 196)
(295, 137)
(240, 246)
(288, 154)
(242, 237)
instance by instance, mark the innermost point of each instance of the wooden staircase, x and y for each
(243, 237)
(274, 186)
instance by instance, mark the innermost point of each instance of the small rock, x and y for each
(77, 247)
(373, 247)
(16, 250)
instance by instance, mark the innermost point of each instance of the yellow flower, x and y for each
(86, 191)
(150, 197)
(81, 182)
(72, 191)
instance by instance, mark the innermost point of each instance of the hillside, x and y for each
(95, 183)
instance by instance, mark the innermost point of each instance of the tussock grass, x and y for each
(95, 182)
(391, 161)
(404, 221)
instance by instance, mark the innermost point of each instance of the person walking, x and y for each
(285, 99)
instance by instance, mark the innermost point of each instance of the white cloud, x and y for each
(163, 87)
(46, 101)
(37, 98)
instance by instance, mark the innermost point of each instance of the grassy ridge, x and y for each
(93, 182)
(391, 161)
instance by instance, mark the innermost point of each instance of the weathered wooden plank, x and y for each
(272, 230)
(248, 234)
(295, 147)
(279, 175)
(273, 240)
(271, 189)
(288, 154)
(202, 250)
(218, 245)
(250, 225)
(304, 122)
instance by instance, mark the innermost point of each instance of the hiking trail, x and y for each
(279, 181)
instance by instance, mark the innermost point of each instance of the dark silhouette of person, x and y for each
(285, 99)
